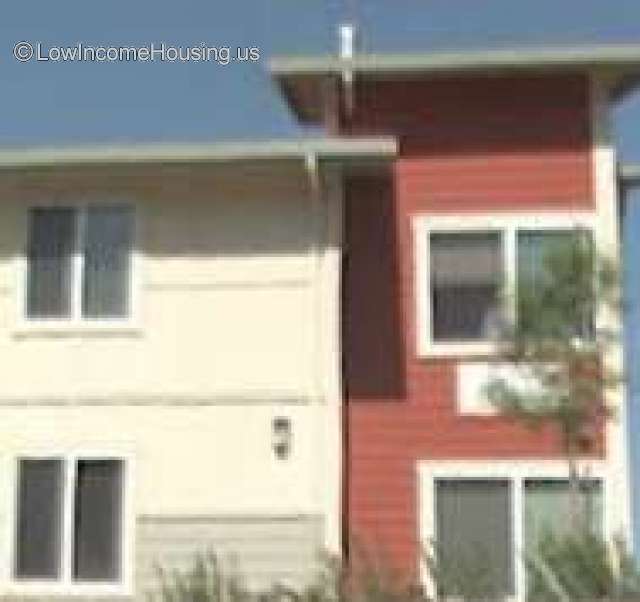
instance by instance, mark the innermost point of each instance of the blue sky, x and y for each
(73, 102)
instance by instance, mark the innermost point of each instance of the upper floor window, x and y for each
(79, 262)
(466, 277)
(534, 248)
(465, 265)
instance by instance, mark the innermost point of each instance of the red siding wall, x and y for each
(466, 145)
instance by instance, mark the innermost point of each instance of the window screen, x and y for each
(466, 276)
(39, 528)
(474, 544)
(51, 242)
(97, 520)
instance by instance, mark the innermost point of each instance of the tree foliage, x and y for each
(583, 569)
(556, 342)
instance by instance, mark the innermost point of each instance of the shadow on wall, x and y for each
(243, 210)
(454, 116)
(374, 349)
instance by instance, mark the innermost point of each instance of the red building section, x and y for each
(466, 145)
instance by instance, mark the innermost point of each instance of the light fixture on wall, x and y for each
(282, 437)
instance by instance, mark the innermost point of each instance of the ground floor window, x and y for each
(474, 535)
(480, 524)
(69, 519)
(552, 509)
(548, 504)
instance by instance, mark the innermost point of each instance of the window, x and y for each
(97, 517)
(69, 520)
(465, 264)
(39, 533)
(474, 535)
(482, 520)
(79, 262)
(533, 250)
(466, 276)
(548, 508)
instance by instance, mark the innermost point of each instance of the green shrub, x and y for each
(582, 566)
(470, 577)
(204, 581)
(570, 568)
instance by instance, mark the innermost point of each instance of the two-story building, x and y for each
(499, 153)
(269, 349)
(170, 343)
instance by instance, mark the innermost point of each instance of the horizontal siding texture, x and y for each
(261, 551)
(505, 142)
(466, 145)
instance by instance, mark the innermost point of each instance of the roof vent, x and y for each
(347, 39)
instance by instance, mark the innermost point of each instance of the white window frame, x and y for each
(65, 585)
(508, 225)
(76, 322)
(517, 472)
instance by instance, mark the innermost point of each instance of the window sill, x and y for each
(482, 349)
(428, 350)
(57, 589)
(64, 328)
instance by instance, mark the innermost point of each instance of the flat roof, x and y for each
(340, 149)
(300, 77)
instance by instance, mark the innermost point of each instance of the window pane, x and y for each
(51, 241)
(535, 248)
(40, 495)
(549, 506)
(98, 520)
(108, 240)
(466, 276)
(474, 537)
(548, 511)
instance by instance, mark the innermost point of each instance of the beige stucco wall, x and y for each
(198, 478)
(235, 324)
(194, 460)
(222, 287)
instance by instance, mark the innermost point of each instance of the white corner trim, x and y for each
(327, 209)
(507, 224)
(604, 165)
(334, 383)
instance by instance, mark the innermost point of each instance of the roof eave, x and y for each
(621, 62)
(585, 56)
(334, 149)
